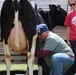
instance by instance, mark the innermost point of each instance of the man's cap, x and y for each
(41, 28)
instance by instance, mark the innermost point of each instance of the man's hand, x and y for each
(25, 51)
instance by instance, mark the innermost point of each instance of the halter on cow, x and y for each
(18, 30)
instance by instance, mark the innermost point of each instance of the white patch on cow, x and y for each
(31, 55)
(7, 56)
(40, 70)
(17, 40)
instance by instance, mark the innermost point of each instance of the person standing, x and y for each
(70, 22)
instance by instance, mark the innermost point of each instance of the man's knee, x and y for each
(55, 57)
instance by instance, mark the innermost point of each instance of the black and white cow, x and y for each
(18, 29)
(55, 16)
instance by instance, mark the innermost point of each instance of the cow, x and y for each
(54, 16)
(18, 30)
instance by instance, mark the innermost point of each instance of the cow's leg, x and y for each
(40, 70)
(7, 57)
(30, 55)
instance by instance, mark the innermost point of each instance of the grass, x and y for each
(15, 67)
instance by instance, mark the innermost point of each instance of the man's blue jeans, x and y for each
(61, 63)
